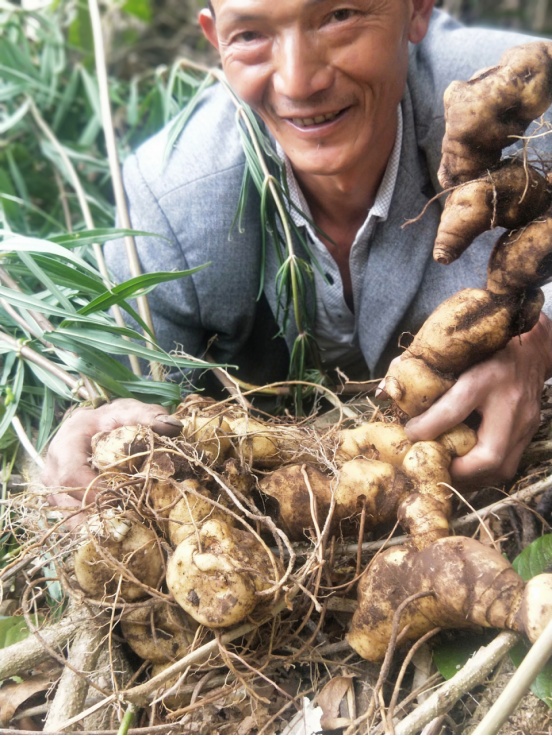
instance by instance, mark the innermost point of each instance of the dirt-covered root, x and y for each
(119, 558)
(385, 441)
(218, 574)
(521, 259)
(493, 108)
(468, 585)
(159, 632)
(509, 197)
(465, 329)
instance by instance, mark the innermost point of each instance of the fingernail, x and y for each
(168, 419)
(380, 388)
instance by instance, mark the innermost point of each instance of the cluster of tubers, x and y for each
(483, 116)
(193, 546)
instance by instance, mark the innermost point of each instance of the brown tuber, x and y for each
(469, 585)
(123, 560)
(465, 329)
(509, 197)
(158, 632)
(492, 109)
(521, 259)
(218, 574)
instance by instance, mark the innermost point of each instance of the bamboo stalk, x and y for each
(115, 168)
(32, 356)
(518, 685)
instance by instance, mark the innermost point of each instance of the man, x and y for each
(351, 92)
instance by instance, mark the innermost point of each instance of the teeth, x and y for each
(304, 122)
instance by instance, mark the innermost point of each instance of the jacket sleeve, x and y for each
(188, 201)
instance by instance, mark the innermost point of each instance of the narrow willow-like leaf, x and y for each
(24, 203)
(77, 282)
(25, 244)
(17, 176)
(47, 418)
(67, 99)
(50, 381)
(92, 92)
(180, 121)
(12, 120)
(134, 287)
(153, 391)
(116, 346)
(47, 283)
(98, 235)
(15, 389)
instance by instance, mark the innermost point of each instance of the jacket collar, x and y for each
(398, 255)
(400, 252)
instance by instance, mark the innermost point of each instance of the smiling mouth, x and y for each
(316, 120)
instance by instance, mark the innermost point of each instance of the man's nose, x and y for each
(300, 67)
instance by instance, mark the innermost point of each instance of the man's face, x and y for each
(325, 76)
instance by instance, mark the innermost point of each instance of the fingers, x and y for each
(67, 463)
(452, 408)
(505, 392)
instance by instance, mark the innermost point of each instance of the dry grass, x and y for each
(288, 661)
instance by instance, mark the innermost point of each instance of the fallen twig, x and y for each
(22, 656)
(520, 682)
(73, 687)
(472, 674)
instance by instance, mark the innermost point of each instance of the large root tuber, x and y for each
(467, 328)
(123, 560)
(470, 585)
(510, 197)
(488, 112)
(216, 575)
(522, 259)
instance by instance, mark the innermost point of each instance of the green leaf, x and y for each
(15, 396)
(139, 8)
(450, 656)
(99, 235)
(24, 244)
(12, 120)
(133, 287)
(12, 630)
(114, 345)
(535, 559)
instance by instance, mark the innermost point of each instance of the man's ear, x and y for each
(207, 23)
(419, 22)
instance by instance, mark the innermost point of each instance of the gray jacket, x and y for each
(191, 200)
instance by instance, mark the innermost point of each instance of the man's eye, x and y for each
(343, 14)
(247, 36)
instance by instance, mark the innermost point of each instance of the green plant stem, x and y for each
(115, 168)
(128, 720)
(31, 355)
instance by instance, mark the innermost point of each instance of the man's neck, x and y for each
(339, 204)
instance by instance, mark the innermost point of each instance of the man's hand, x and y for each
(67, 467)
(506, 392)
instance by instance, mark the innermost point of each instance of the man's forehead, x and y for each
(252, 5)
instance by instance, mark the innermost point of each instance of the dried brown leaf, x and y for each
(14, 694)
